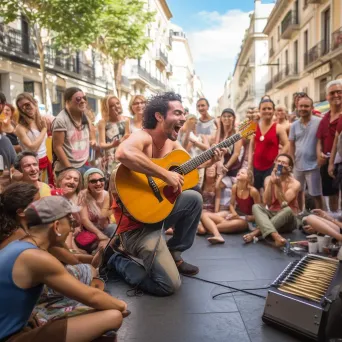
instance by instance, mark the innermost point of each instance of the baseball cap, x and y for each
(49, 209)
(228, 110)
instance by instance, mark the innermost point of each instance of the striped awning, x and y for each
(322, 106)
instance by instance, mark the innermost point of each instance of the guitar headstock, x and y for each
(247, 128)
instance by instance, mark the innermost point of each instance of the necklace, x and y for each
(78, 125)
(33, 239)
(159, 149)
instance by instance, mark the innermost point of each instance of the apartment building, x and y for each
(305, 48)
(251, 71)
(150, 74)
(20, 70)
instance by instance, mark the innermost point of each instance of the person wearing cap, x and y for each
(232, 160)
(26, 266)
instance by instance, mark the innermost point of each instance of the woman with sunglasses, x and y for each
(71, 133)
(32, 131)
(136, 107)
(95, 203)
(113, 129)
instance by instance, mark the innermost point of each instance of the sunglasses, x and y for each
(95, 181)
(73, 223)
(302, 94)
(138, 103)
(26, 105)
(78, 99)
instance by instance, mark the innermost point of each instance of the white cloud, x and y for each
(214, 48)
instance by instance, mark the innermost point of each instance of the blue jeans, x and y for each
(160, 276)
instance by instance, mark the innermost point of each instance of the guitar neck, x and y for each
(194, 163)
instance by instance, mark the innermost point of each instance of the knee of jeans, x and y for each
(255, 208)
(172, 286)
(195, 197)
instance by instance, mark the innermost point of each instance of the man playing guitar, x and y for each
(163, 118)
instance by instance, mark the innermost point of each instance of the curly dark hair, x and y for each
(21, 156)
(158, 104)
(16, 196)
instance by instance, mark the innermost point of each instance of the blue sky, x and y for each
(215, 29)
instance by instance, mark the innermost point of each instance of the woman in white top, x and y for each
(32, 131)
(136, 107)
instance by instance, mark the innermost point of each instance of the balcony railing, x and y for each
(289, 24)
(162, 57)
(169, 69)
(286, 75)
(148, 78)
(317, 51)
(336, 39)
(20, 46)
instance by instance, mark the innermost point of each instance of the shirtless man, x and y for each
(280, 196)
(163, 118)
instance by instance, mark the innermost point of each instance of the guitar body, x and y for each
(150, 200)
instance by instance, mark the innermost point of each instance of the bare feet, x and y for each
(249, 237)
(278, 240)
(169, 231)
(215, 240)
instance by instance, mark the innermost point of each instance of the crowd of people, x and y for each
(62, 218)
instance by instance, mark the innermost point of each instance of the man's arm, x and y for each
(58, 138)
(268, 191)
(331, 166)
(292, 150)
(320, 159)
(46, 269)
(290, 194)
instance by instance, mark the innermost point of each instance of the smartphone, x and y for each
(279, 170)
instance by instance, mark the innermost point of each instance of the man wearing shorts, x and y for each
(303, 142)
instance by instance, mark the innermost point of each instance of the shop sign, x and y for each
(322, 70)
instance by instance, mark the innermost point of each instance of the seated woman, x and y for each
(322, 223)
(26, 266)
(95, 213)
(208, 193)
(240, 215)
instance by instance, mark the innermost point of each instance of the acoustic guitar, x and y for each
(149, 199)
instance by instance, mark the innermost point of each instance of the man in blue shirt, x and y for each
(303, 142)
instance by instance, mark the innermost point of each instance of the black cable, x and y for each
(231, 288)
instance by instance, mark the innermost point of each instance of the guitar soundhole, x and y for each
(170, 195)
(173, 168)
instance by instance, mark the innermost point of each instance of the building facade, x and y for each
(150, 74)
(251, 70)
(182, 78)
(305, 48)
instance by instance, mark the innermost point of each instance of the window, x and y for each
(295, 57)
(25, 35)
(325, 31)
(278, 33)
(286, 101)
(322, 84)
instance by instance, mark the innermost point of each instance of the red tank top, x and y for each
(245, 205)
(266, 150)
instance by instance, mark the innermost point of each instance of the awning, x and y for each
(323, 107)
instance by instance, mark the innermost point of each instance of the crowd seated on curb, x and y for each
(60, 212)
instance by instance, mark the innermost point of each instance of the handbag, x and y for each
(86, 240)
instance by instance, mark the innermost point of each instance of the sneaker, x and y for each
(186, 269)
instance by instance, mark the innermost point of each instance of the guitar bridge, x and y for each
(154, 188)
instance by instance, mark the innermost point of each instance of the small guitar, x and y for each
(151, 200)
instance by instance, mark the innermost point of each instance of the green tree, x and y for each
(123, 25)
(62, 23)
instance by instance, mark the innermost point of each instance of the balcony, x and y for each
(289, 25)
(315, 53)
(271, 53)
(141, 74)
(268, 86)
(169, 69)
(162, 58)
(286, 76)
(20, 48)
(336, 40)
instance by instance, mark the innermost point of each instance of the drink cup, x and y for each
(313, 247)
(320, 241)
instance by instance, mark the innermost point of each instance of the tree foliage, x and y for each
(60, 23)
(122, 27)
